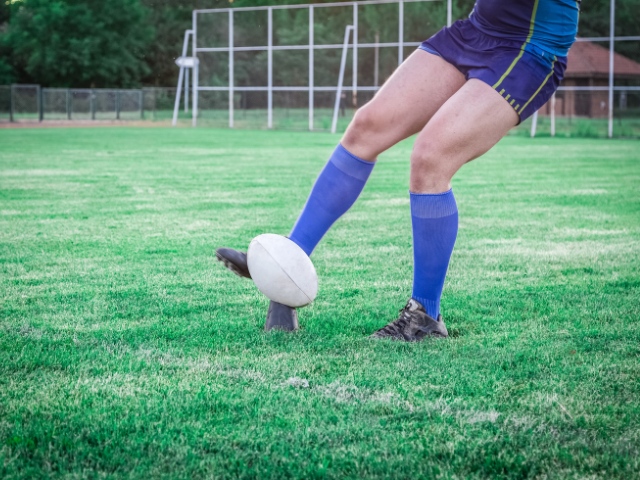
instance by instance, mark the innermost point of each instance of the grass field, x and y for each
(126, 351)
(297, 119)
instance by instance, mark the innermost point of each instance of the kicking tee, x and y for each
(550, 25)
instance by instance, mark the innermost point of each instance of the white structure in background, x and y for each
(311, 47)
(185, 63)
(192, 62)
(343, 61)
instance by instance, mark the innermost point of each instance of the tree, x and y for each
(80, 43)
(126, 43)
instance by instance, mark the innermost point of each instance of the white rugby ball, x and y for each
(282, 271)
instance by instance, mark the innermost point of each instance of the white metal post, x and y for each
(230, 68)
(176, 105)
(449, 12)
(400, 32)
(311, 68)
(534, 123)
(376, 61)
(354, 92)
(186, 90)
(343, 61)
(196, 70)
(612, 24)
(270, 68)
(552, 115)
(194, 93)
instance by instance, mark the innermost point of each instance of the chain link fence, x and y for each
(584, 114)
(30, 103)
(578, 113)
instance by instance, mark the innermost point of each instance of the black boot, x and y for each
(234, 260)
(281, 317)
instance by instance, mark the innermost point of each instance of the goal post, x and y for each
(231, 59)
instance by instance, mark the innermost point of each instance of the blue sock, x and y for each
(335, 191)
(435, 227)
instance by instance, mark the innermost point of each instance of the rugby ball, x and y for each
(282, 271)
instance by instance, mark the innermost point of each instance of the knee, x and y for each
(366, 122)
(430, 172)
(427, 157)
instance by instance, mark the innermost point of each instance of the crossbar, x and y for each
(307, 5)
(263, 48)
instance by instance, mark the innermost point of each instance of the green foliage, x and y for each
(128, 352)
(586, 129)
(80, 43)
(594, 22)
(128, 42)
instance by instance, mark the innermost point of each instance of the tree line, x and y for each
(133, 43)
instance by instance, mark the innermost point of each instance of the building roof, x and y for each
(590, 60)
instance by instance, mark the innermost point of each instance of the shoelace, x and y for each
(396, 326)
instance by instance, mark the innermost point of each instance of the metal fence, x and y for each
(584, 112)
(31, 103)
(23, 103)
(576, 112)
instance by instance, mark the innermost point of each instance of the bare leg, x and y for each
(403, 106)
(472, 121)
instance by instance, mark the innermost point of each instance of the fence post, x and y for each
(69, 103)
(231, 80)
(141, 96)
(270, 68)
(400, 32)
(311, 68)
(376, 60)
(12, 102)
(92, 105)
(195, 72)
(553, 115)
(39, 100)
(612, 24)
(534, 123)
(117, 104)
(354, 57)
(343, 60)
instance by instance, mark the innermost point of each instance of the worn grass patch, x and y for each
(126, 351)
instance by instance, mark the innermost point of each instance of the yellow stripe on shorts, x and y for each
(513, 64)
(540, 87)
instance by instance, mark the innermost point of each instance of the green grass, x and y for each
(582, 127)
(626, 122)
(126, 351)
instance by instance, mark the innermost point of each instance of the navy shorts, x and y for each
(525, 75)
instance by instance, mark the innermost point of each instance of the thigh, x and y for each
(469, 123)
(403, 105)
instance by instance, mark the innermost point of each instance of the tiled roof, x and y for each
(588, 59)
